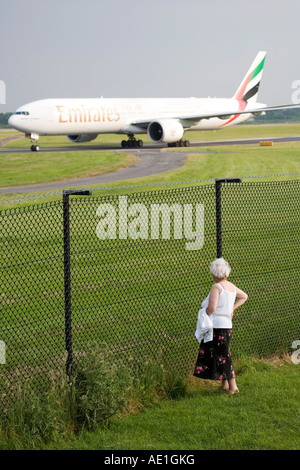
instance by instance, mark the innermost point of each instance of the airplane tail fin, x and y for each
(248, 89)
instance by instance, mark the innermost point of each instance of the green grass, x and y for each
(215, 162)
(263, 416)
(246, 132)
(241, 161)
(6, 134)
(33, 168)
(19, 169)
(201, 163)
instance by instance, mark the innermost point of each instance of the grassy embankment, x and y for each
(264, 416)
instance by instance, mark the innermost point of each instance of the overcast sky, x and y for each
(145, 48)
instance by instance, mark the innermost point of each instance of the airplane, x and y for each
(164, 119)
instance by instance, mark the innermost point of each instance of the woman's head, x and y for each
(220, 269)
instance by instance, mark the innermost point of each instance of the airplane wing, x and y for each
(188, 121)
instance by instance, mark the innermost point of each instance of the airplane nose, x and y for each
(11, 121)
(15, 123)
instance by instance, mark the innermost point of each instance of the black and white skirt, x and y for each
(214, 358)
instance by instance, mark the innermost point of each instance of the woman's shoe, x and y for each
(232, 392)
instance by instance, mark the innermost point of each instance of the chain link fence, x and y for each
(131, 270)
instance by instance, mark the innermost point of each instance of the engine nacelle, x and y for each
(166, 130)
(82, 138)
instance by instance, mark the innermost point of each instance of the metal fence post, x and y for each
(67, 274)
(218, 186)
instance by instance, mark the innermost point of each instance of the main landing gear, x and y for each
(131, 142)
(180, 143)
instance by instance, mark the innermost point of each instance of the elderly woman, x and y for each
(214, 358)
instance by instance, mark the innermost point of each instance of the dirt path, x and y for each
(5, 140)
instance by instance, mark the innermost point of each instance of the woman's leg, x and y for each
(232, 386)
(225, 385)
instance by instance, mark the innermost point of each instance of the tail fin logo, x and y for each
(248, 89)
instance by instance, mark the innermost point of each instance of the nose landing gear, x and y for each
(34, 138)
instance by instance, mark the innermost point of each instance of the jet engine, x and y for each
(82, 138)
(165, 130)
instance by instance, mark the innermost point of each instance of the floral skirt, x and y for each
(214, 358)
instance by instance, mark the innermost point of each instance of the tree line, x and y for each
(4, 117)
(280, 116)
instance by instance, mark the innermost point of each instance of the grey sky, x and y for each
(149, 48)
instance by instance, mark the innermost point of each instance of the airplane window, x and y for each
(23, 113)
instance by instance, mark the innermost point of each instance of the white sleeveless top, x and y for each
(221, 318)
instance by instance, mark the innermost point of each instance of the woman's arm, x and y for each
(241, 298)
(213, 299)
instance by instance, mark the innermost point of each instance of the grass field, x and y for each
(264, 416)
(22, 169)
(201, 163)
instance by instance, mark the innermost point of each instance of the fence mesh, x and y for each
(139, 269)
(260, 234)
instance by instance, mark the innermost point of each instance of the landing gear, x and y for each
(34, 138)
(131, 142)
(180, 143)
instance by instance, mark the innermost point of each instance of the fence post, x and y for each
(67, 274)
(218, 186)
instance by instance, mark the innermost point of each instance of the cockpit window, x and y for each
(23, 113)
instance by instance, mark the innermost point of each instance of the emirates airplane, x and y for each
(164, 119)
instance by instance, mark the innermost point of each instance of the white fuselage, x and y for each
(164, 119)
(118, 115)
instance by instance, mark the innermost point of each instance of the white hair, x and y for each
(219, 268)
